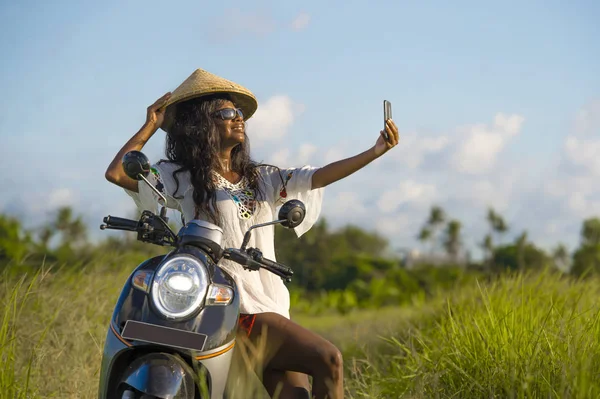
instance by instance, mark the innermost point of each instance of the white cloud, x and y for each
(402, 225)
(484, 193)
(38, 204)
(582, 205)
(333, 154)
(480, 145)
(413, 149)
(285, 157)
(344, 204)
(509, 125)
(300, 22)
(62, 197)
(406, 192)
(273, 119)
(575, 183)
(577, 202)
(587, 121)
(584, 152)
(280, 157)
(305, 153)
(471, 149)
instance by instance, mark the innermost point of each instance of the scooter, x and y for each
(173, 330)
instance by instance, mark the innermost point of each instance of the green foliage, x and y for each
(339, 270)
(431, 229)
(586, 259)
(590, 232)
(520, 257)
(496, 221)
(14, 241)
(329, 260)
(452, 239)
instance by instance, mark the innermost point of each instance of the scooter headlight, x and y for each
(179, 286)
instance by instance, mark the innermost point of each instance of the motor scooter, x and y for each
(173, 330)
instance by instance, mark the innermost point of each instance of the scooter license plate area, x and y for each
(160, 335)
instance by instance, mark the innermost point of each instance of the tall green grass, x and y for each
(53, 328)
(523, 336)
(520, 337)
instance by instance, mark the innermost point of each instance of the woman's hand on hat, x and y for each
(382, 145)
(155, 114)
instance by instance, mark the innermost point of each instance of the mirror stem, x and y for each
(162, 197)
(248, 233)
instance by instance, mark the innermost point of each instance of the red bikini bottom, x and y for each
(246, 321)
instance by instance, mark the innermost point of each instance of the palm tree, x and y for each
(590, 232)
(500, 227)
(497, 223)
(437, 217)
(521, 243)
(72, 228)
(424, 235)
(488, 248)
(453, 240)
(561, 258)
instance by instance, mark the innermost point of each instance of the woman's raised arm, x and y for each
(154, 119)
(338, 170)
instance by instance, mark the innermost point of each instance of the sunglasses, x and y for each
(229, 113)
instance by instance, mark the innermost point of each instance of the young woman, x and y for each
(210, 175)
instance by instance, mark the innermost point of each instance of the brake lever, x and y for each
(241, 258)
(279, 269)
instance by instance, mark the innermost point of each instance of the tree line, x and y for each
(326, 259)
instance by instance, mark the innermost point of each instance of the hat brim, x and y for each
(246, 103)
(202, 83)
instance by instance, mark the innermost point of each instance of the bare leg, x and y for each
(286, 384)
(291, 347)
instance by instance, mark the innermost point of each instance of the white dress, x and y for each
(260, 291)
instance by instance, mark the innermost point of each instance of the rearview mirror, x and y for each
(136, 165)
(292, 213)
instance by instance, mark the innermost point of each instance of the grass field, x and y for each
(533, 336)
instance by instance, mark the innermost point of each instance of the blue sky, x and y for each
(498, 103)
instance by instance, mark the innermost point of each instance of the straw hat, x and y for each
(202, 83)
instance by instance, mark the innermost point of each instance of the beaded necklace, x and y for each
(240, 193)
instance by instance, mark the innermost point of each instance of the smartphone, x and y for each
(387, 114)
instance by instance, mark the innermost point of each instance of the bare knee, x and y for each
(328, 381)
(332, 361)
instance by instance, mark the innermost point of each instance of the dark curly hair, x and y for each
(193, 143)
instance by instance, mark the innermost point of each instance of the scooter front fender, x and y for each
(162, 375)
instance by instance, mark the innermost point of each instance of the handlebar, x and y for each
(272, 266)
(116, 223)
(252, 259)
(150, 228)
(154, 229)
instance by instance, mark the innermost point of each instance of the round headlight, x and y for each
(179, 286)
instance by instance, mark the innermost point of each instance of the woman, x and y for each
(209, 175)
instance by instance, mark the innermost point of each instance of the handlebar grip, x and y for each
(241, 258)
(121, 223)
(277, 266)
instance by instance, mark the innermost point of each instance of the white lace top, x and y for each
(260, 291)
